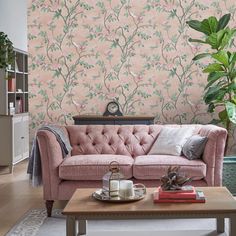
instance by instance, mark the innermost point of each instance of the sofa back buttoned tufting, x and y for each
(129, 140)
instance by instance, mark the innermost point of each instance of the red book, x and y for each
(176, 195)
(200, 198)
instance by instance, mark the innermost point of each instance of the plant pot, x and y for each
(229, 173)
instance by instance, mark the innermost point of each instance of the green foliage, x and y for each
(220, 90)
(7, 55)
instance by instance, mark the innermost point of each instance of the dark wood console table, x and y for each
(112, 120)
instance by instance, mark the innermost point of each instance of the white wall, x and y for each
(13, 21)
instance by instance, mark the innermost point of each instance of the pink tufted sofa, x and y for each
(95, 146)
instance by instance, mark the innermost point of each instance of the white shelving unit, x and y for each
(14, 129)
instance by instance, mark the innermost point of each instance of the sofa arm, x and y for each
(214, 153)
(51, 158)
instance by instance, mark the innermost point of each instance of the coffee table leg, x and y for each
(82, 227)
(232, 225)
(70, 226)
(220, 222)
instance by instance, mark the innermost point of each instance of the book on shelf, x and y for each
(199, 198)
(176, 194)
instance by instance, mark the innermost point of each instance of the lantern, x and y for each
(111, 180)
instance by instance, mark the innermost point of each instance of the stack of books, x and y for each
(187, 194)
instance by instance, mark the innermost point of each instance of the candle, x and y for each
(114, 188)
(126, 189)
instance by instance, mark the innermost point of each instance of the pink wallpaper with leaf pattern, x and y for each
(84, 54)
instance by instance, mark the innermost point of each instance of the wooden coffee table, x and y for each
(220, 204)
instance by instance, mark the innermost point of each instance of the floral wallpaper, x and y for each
(84, 54)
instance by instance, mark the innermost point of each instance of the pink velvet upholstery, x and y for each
(155, 166)
(62, 177)
(93, 167)
(126, 140)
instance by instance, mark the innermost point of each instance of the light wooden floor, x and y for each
(17, 196)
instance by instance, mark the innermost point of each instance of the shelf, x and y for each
(19, 72)
(10, 71)
(14, 128)
(18, 79)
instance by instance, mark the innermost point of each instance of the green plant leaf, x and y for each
(213, 67)
(209, 26)
(213, 77)
(215, 39)
(214, 94)
(231, 87)
(222, 57)
(223, 115)
(231, 111)
(7, 55)
(200, 56)
(232, 73)
(227, 37)
(196, 41)
(195, 24)
(224, 20)
(232, 57)
(234, 100)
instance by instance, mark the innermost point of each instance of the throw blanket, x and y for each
(34, 166)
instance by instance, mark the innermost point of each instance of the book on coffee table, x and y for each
(184, 189)
(199, 198)
(177, 194)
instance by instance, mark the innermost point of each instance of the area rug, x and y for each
(36, 223)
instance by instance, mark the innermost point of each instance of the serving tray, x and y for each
(101, 196)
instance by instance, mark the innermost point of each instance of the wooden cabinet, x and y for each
(14, 139)
(113, 120)
(14, 127)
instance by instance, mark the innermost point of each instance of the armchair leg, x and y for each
(49, 204)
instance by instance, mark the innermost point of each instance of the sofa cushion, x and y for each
(93, 167)
(194, 147)
(155, 166)
(171, 140)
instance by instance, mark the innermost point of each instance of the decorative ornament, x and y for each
(174, 180)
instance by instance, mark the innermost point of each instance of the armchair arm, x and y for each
(51, 158)
(214, 153)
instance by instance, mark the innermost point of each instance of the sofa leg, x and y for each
(49, 204)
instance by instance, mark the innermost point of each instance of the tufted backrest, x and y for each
(131, 140)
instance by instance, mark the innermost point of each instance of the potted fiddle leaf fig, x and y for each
(220, 90)
(6, 51)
